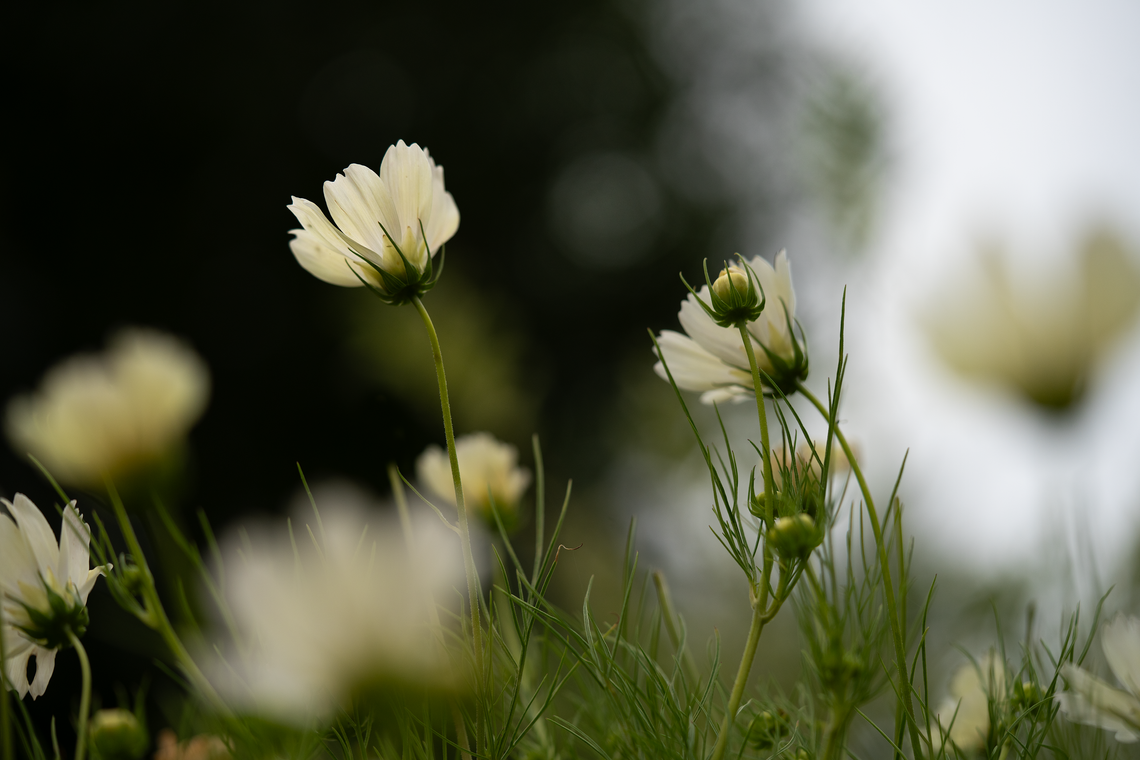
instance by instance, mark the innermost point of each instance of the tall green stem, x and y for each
(156, 614)
(85, 697)
(769, 482)
(836, 733)
(473, 594)
(758, 620)
(898, 626)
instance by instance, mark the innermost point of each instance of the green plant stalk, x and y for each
(85, 697)
(5, 707)
(473, 594)
(155, 614)
(836, 733)
(666, 600)
(897, 625)
(760, 613)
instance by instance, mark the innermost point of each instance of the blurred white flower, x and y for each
(804, 457)
(711, 359)
(108, 414)
(1091, 701)
(1039, 331)
(965, 714)
(488, 468)
(344, 612)
(43, 589)
(408, 193)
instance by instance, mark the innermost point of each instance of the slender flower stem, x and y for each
(835, 733)
(155, 613)
(473, 593)
(5, 707)
(758, 620)
(897, 625)
(85, 697)
(769, 482)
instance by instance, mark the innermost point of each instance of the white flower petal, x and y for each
(45, 666)
(314, 220)
(16, 669)
(695, 369)
(17, 563)
(326, 263)
(1093, 702)
(1120, 641)
(444, 220)
(723, 342)
(407, 173)
(36, 531)
(353, 205)
(74, 554)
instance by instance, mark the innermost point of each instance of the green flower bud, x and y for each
(731, 279)
(118, 735)
(735, 299)
(794, 538)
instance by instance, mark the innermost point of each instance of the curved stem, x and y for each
(758, 619)
(155, 613)
(473, 593)
(85, 697)
(897, 625)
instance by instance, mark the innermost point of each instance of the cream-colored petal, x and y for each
(37, 533)
(88, 583)
(353, 206)
(17, 563)
(433, 468)
(695, 369)
(16, 669)
(444, 220)
(1093, 702)
(733, 393)
(407, 173)
(74, 552)
(327, 264)
(45, 666)
(314, 220)
(722, 342)
(1120, 641)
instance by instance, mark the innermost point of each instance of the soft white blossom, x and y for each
(488, 469)
(107, 414)
(43, 589)
(965, 714)
(407, 200)
(345, 610)
(711, 359)
(1094, 702)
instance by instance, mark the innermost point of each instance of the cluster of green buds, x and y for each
(735, 298)
(769, 729)
(796, 508)
(794, 538)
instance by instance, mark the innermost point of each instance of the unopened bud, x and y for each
(118, 735)
(794, 537)
(729, 280)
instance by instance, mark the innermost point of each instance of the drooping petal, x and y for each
(407, 173)
(37, 533)
(314, 220)
(16, 669)
(1121, 643)
(45, 666)
(327, 264)
(84, 589)
(1093, 702)
(695, 369)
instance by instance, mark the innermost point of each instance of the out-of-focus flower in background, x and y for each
(1039, 333)
(489, 470)
(43, 589)
(344, 615)
(965, 714)
(202, 747)
(405, 207)
(112, 414)
(1091, 701)
(711, 359)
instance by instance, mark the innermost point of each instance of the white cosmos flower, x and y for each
(43, 589)
(345, 611)
(408, 193)
(110, 413)
(1091, 701)
(972, 689)
(488, 468)
(711, 359)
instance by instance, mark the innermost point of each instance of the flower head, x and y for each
(43, 589)
(113, 413)
(387, 226)
(711, 358)
(1091, 701)
(489, 470)
(338, 618)
(965, 714)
